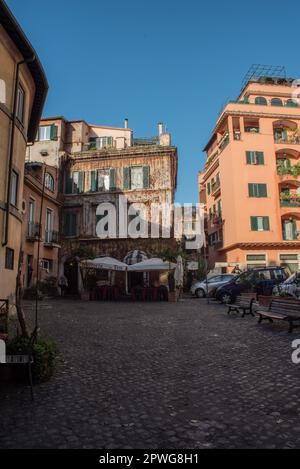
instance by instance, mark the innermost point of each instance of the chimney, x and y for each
(126, 124)
(160, 128)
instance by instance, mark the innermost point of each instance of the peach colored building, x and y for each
(251, 182)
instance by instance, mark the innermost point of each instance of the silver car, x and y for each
(291, 287)
(201, 289)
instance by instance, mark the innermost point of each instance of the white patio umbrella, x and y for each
(152, 265)
(179, 272)
(104, 263)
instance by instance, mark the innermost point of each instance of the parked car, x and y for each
(291, 287)
(200, 289)
(259, 280)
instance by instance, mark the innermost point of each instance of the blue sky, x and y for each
(160, 60)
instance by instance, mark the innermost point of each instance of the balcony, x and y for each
(52, 239)
(216, 188)
(288, 170)
(224, 141)
(289, 200)
(292, 140)
(33, 231)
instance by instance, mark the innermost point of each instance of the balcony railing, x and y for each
(293, 139)
(293, 237)
(33, 231)
(252, 130)
(224, 141)
(52, 237)
(215, 187)
(289, 171)
(287, 200)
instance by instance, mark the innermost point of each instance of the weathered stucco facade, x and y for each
(100, 165)
(48, 231)
(23, 89)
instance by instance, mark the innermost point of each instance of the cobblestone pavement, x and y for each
(162, 375)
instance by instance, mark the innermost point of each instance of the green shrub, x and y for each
(45, 354)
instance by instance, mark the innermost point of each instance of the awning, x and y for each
(104, 263)
(150, 265)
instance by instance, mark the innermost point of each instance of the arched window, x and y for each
(2, 92)
(261, 100)
(276, 102)
(291, 103)
(49, 182)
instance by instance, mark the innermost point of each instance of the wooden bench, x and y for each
(281, 310)
(243, 303)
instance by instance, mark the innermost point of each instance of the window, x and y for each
(47, 264)
(49, 182)
(291, 103)
(220, 208)
(257, 190)
(208, 188)
(136, 177)
(47, 132)
(70, 224)
(262, 101)
(98, 143)
(2, 92)
(103, 180)
(276, 102)
(291, 261)
(9, 259)
(260, 224)
(20, 103)
(14, 188)
(49, 226)
(255, 157)
(75, 182)
(256, 258)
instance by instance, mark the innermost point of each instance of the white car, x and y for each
(290, 287)
(201, 289)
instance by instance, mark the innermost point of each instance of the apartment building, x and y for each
(98, 164)
(23, 89)
(41, 222)
(250, 185)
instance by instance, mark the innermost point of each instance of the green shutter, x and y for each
(68, 183)
(254, 224)
(208, 188)
(262, 190)
(81, 182)
(251, 190)
(126, 179)
(94, 181)
(266, 223)
(112, 179)
(260, 157)
(53, 132)
(249, 157)
(146, 177)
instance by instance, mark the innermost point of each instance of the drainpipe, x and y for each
(11, 147)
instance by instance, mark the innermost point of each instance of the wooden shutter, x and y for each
(94, 181)
(126, 179)
(68, 183)
(266, 223)
(249, 157)
(146, 177)
(254, 224)
(112, 179)
(260, 157)
(262, 190)
(81, 182)
(53, 132)
(251, 190)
